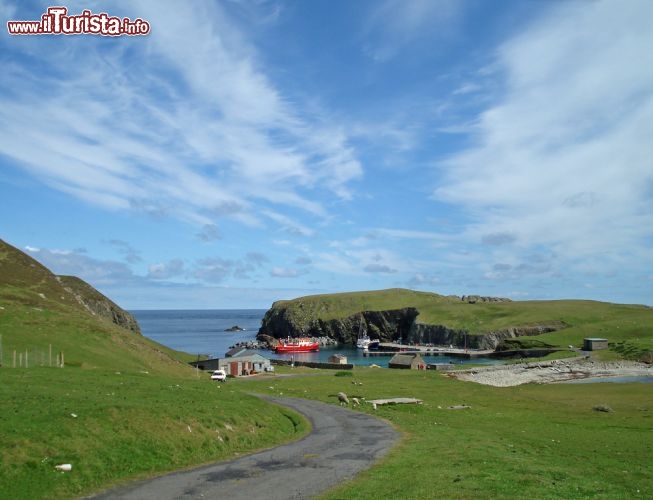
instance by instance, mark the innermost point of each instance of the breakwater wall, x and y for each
(313, 364)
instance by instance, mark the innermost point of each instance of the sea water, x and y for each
(200, 331)
(203, 332)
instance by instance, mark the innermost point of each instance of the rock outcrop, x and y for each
(473, 299)
(386, 326)
(98, 304)
(442, 335)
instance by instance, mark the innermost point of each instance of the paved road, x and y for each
(343, 442)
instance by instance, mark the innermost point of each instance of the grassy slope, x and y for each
(139, 410)
(632, 324)
(535, 441)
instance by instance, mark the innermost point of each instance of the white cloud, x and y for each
(289, 225)
(166, 270)
(285, 272)
(97, 272)
(379, 268)
(564, 159)
(181, 123)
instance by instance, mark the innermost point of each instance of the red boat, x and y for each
(301, 344)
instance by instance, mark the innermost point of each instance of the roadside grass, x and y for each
(538, 441)
(115, 427)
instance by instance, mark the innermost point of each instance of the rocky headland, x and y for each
(315, 318)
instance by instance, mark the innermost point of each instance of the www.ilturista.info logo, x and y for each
(57, 22)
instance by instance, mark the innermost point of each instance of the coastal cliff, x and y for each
(419, 318)
(442, 335)
(386, 326)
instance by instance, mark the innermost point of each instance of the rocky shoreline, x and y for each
(551, 371)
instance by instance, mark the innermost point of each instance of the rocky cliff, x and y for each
(98, 304)
(386, 326)
(442, 335)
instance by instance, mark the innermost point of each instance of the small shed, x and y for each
(407, 360)
(245, 364)
(338, 359)
(594, 344)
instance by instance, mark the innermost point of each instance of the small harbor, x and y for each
(390, 349)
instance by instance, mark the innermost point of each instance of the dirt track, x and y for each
(342, 443)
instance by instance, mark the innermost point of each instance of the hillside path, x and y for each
(342, 443)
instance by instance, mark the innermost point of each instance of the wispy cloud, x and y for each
(563, 160)
(182, 123)
(394, 24)
(130, 253)
(166, 270)
(75, 263)
(286, 272)
(289, 225)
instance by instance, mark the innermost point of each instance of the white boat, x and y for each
(364, 341)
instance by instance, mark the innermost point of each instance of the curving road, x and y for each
(342, 443)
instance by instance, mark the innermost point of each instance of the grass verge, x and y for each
(119, 426)
(538, 441)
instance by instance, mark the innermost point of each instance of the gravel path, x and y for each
(342, 443)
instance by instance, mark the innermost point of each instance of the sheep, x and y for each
(342, 397)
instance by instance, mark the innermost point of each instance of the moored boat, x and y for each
(364, 341)
(301, 344)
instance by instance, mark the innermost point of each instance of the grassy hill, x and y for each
(121, 407)
(629, 328)
(43, 315)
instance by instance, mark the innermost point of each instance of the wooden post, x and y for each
(20, 360)
(14, 359)
(50, 358)
(26, 358)
(62, 362)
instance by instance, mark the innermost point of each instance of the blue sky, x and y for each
(245, 152)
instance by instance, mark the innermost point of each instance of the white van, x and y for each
(219, 375)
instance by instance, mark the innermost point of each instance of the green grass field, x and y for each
(535, 441)
(113, 426)
(538, 441)
(124, 407)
